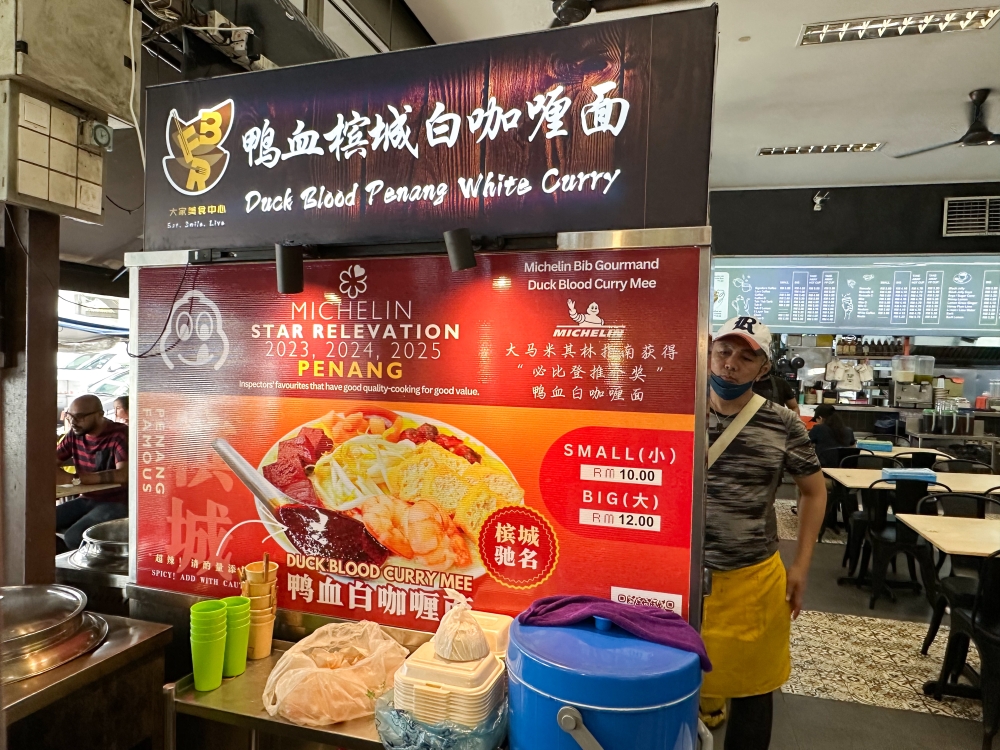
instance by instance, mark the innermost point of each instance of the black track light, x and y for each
(460, 250)
(288, 261)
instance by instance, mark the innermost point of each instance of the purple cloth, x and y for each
(649, 623)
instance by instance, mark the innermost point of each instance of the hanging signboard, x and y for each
(590, 127)
(521, 429)
(954, 295)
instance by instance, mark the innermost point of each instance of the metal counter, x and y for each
(239, 703)
(127, 641)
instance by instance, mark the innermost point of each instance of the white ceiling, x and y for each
(909, 92)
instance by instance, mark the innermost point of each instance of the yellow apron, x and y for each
(746, 629)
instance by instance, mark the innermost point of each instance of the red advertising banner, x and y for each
(399, 432)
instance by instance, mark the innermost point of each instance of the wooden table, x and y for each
(975, 537)
(68, 490)
(860, 479)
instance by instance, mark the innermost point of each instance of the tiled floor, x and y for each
(872, 661)
(788, 524)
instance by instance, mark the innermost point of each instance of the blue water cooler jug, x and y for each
(597, 687)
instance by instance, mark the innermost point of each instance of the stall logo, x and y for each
(196, 160)
(353, 281)
(194, 335)
(588, 324)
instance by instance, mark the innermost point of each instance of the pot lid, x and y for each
(590, 666)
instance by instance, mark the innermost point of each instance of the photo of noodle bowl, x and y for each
(376, 486)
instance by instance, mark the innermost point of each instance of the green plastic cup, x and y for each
(209, 638)
(204, 627)
(208, 633)
(208, 658)
(237, 640)
(207, 608)
(238, 622)
(213, 620)
(236, 603)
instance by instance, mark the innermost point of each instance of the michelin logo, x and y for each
(194, 335)
(588, 324)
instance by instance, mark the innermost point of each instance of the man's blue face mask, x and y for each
(726, 390)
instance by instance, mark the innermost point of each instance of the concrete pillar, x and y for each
(28, 394)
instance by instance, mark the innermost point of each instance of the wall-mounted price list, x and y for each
(956, 295)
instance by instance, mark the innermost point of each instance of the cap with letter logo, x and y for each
(749, 329)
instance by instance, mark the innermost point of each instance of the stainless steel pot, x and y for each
(104, 547)
(37, 617)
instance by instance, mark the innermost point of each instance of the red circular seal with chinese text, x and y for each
(518, 547)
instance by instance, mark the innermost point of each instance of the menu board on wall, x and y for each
(586, 128)
(520, 429)
(951, 295)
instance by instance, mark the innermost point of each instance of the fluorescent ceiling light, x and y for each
(890, 27)
(838, 148)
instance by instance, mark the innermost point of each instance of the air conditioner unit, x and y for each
(75, 50)
(65, 67)
(972, 217)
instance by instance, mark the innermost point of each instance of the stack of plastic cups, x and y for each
(260, 588)
(208, 643)
(237, 635)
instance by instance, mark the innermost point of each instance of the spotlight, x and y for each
(288, 260)
(460, 250)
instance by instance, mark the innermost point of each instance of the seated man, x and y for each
(98, 448)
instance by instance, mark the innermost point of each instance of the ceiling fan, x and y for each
(568, 12)
(977, 134)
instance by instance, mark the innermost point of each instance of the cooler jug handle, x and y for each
(705, 735)
(571, 722)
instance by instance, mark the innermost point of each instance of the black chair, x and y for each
(917, 459)
(959, 588)
(870, 462)
(832, 457)
(853, 518)
(979, 624)
(838, 497)
(961, 466)
(886, 538)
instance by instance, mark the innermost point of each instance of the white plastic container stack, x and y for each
(433, 689)
(497, 630)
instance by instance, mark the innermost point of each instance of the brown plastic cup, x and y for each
(253, 590)
(259, 643)
(255, 572)
(261, 603)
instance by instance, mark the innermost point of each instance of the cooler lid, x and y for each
(611, 668)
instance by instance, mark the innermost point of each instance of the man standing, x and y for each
(98, 448)
(747, 617)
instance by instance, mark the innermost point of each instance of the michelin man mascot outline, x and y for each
(589, 319)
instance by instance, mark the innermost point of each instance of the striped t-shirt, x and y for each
(741, 528)
(90, 454)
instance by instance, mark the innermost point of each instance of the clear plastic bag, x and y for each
(460, 637)
(333, 675)
(398, 730)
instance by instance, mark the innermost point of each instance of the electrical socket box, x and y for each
(75, 50)
(45, 160)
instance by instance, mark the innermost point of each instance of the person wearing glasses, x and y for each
(98, 449)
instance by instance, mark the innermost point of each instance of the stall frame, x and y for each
(293, 625)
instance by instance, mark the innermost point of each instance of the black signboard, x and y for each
(602, 126)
